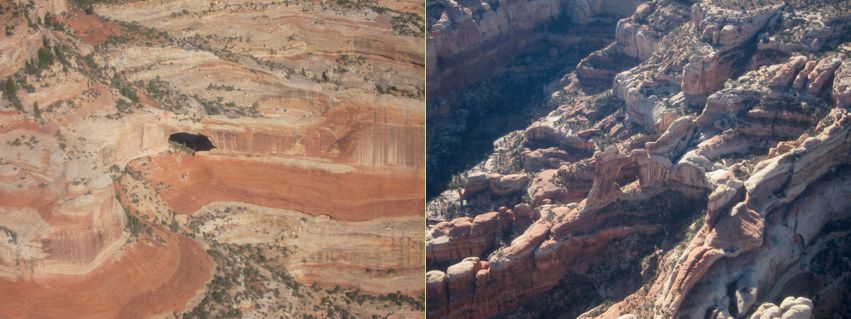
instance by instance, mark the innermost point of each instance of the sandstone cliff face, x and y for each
(698, 187)
(105, 202)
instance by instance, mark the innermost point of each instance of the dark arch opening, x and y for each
(196, 142)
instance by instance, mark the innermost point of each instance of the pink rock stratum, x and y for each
(209, 159)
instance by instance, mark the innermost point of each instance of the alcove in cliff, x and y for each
(196, 142)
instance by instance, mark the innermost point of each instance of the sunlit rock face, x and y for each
(711, 181)
(129, 129)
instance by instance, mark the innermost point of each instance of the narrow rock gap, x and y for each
(731, 293)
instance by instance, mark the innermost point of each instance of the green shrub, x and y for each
(10, 91)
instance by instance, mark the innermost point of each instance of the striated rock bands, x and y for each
(712, 181)
(303, 199)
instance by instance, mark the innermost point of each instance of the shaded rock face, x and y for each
(722, 156)
(493, 63)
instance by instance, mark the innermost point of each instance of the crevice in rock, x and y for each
(731, 294)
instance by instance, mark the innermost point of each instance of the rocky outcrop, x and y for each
(787, 72)
(724, 150)
(724, 30)
(473, 44)
(463, 237)
(387, 259)
(498, 184)
(697, 70)
(559, 235)
(638, 35)
(791, 307)
(779, 181)
(568, 184)
(539, 159)
(455, 28)
(824, 26)
(72, 190)
(583, 11)
(841, 91)
(459, 32)
(822, 74)
(599, 69)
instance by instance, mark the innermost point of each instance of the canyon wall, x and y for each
(698, 187)
(467, 41)
(299, 101)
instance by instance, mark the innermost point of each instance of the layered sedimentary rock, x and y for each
(710, 182)
(791, 307)
(458, 32)
(454, 28)
(128, 129)
(195, 181)
(378, 259)
(482, 54)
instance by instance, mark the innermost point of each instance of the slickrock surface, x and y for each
(710, 180)
(203, 159)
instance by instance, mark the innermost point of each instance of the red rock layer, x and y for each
(194, 181)
(148, 278)
(92, 29)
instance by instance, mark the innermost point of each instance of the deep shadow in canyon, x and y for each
(195, 142)
(509, 98)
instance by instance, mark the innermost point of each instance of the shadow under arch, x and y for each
(196, 142)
